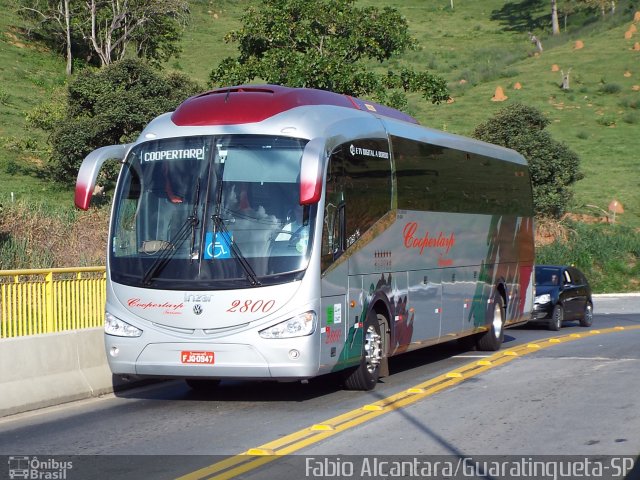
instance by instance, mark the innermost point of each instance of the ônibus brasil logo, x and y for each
(35, 468)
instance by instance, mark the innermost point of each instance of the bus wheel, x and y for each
(492, 339)
(366, 375)
(203, 385)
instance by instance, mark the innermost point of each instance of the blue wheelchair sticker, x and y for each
(221, 248)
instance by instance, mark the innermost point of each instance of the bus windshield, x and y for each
(211, 212)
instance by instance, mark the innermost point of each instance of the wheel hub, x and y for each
(372, 349)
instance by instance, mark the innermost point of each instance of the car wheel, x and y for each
(492, 339)
(587, 318)
(365, 377)
(557, 317)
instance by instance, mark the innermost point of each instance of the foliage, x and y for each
(608, 254)
(111, 106)
(553, 166)
(40, 236)
(327, 45)
(105, 31)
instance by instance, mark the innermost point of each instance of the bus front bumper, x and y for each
(282, 359)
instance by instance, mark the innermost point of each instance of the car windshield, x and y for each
(210, 212)
(547, 276)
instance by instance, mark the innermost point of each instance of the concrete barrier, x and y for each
(44, 370)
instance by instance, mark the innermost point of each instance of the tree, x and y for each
(553, 166)
(555, 26)
(104, 29)
(601, 5)
(111, 106)
(327, 45)
(114, 24)
(52, 19)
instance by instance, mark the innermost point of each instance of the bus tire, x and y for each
(365, 376)
(203, 385)
(491, 340)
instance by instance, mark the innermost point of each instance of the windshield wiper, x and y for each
(194, 215)
(218, 223)
(169, 248)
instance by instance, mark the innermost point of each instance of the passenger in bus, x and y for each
(169, 181)
(180, 184)
(237, 198)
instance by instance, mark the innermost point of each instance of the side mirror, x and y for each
(311, 171)
(88, 173)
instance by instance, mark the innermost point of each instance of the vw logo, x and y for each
(197, 309)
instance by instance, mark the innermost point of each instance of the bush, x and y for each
(609, 255)
(610, 88)
(111, 106)
(37, 236)
(553, 166)
(606, 120)
(582, 135)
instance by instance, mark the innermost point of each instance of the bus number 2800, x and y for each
(254, 306)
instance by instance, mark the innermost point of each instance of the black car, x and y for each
(562, 293)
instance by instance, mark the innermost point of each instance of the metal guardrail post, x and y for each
(49, 299)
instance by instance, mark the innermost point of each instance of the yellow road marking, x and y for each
(256, 457)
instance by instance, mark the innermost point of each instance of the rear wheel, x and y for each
(492, 339)
(366, 375)
(587, 318)
(557, 317)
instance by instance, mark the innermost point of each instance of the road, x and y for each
(576, 396)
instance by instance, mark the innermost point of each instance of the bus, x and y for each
(266, 232)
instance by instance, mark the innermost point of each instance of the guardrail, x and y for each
(51, 300)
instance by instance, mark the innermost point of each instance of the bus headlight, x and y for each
(298, 326)
(119, 328)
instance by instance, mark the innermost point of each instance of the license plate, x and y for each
(199, 358)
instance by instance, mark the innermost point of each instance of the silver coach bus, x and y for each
(265, 232)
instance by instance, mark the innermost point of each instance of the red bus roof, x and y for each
(254, 103)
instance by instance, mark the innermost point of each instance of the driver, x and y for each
(294, 225)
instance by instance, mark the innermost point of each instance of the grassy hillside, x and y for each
(29, 75)
(477, 47)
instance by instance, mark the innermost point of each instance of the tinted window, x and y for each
(358, 194)
(430, 177)
(578, 277)
(548, 276)
(367, 173)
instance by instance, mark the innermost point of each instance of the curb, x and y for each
(614, 295)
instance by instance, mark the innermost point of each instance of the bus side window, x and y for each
(333, 219)
(367, 179)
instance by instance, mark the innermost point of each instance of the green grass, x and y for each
(29, 75)
(597, 117)
(609, 255)
(203, 41)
